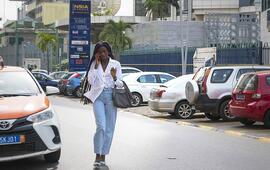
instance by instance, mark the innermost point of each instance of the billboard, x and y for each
(79, 34)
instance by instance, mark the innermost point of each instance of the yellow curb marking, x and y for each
(206, 127)
(264, 139)
(234, 133)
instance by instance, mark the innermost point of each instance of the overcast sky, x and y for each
(8, 10)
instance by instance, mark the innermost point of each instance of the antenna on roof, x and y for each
(1, 63)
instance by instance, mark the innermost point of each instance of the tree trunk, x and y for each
(48, 61)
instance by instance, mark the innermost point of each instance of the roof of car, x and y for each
(12, 69)
(241, 66)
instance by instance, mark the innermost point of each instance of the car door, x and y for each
(146, 83)
(163, 78)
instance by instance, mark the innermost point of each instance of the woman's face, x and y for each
(103, 53)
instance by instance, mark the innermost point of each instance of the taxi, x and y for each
(28, 124)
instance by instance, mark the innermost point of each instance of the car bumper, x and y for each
(251, 111)
(40, 138)
(205, 104)
(160, 106)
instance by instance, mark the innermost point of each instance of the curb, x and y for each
(213, 129)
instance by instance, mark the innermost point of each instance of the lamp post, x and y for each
(184, 47)
(17, 43)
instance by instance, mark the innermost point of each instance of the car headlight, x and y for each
(41, 116)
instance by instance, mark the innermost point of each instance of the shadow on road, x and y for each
(37, 163)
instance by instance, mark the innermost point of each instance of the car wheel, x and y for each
(266, 120)
(137, 99)
(78, 92)
(212, 117)
(183, 110)
(53, 157)
(246, 122)
(224, 111)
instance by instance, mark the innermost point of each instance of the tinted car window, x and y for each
(243, 71)
(38, 76)
(129, 71)
(221, 76)
(17, 83)
(268, 80)
(147, 79)
(247, 82)
(165, 78)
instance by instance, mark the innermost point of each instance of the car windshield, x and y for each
(17, 83)
(67, 75)
(247, 82)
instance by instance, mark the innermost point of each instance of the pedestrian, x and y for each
(104, 74)
(1, 62)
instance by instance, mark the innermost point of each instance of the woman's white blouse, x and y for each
(98, 79)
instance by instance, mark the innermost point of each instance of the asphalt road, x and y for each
(141, 143)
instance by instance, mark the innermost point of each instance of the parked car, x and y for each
(45, 80)
(58, 75)
(62, 84)
(251, 99)
(40, 71)
(127, 70)
(74, 84)
(212, 92)
(29, 125)
(171, 98)
(141, 84)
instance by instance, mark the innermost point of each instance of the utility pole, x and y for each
(17, 43)
(184, 46)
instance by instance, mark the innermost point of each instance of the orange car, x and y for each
(28, 123)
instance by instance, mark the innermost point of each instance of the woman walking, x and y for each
(104, 74)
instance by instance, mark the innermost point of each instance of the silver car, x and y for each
(171, 98)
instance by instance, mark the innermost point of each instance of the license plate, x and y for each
(240, 97)
(13, 139)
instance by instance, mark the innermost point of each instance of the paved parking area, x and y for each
(257, 131)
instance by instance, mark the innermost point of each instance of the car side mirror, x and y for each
(51, 90)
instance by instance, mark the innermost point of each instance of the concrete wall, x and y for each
(265, 34)
(166, 34)
(52, 12)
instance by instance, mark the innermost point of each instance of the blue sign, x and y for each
(79, 34)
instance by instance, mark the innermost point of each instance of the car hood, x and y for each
(22, 106)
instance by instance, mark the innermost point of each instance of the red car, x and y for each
(251, 99)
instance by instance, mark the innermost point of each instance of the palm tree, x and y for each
(115, 34)
(44, 42)
(156, 8)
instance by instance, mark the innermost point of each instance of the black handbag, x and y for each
(122, 97)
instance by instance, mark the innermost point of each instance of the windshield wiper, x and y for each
(14, 95)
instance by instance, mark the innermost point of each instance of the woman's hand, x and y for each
(97, 61)
(113, 73)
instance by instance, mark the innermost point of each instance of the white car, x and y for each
(141, 84)
(171, 98)
(128, 70)
(28, 124)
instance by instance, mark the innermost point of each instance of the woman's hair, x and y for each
(97, 47)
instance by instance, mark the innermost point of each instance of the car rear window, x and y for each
(247, 82)
(268, 80)
(249, 70)
(221, 75)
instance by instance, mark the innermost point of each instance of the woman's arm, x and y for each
(93, 74)
(118, 81)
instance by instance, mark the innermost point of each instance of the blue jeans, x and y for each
(105, 115)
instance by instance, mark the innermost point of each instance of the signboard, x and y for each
(79, 34)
